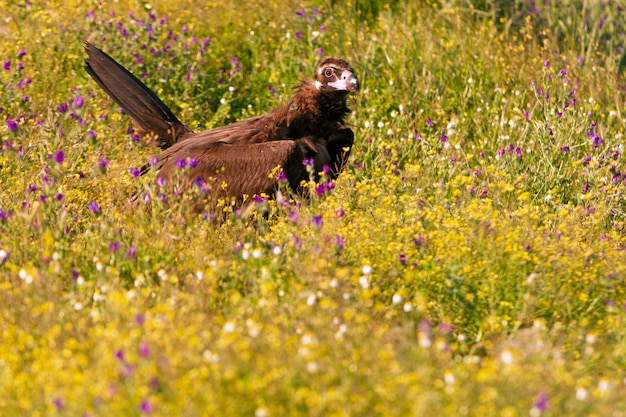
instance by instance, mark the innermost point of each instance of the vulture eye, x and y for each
(328, 72)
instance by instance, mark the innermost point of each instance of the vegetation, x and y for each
(470, 261)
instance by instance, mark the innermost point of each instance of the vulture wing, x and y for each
(243, 167)
(148, 112)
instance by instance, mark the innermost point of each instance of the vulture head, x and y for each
(335, 75)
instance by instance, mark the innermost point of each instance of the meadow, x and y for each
(470, 261)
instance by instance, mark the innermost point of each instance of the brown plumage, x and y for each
(243, 154)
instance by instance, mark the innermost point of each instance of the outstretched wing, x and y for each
(148, 112)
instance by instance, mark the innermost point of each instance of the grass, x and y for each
(469, 261)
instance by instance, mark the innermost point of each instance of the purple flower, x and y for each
(586, 188)
(340, 213)
(135, 172)
(199, 182)
(308, 162)
(429, 122)
(7, 66)
(271, 89)
(92, 134)
(114, 246)
(94, 207)
(79, 101)
(144, 350)
(546, 64)
(59, 157)
(103, 164)
(180, 163)
(318, 221)
(140, 318)
(300, 12)
(402, 259)
(153, 160)
(320, 51)
(146, 407)
(119, 355)
(444, 138)
(21, 53)
(323, 188)
(62, 108)
(192, 163)
(563, 73)
(59, 197)
(282, 176)
(597, 141)
(541, 403)
(518, 152)
(339, 241)
(293, 216)
(161, 181)
(131, 252)
(57, 403)
(12, 125)
(298, 35)
(424, 326)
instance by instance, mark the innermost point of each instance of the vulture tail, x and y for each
(149, 113)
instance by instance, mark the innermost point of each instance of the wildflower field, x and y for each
(470, 261)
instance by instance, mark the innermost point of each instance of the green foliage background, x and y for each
(470, 261)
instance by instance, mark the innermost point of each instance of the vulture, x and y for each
(237, 160)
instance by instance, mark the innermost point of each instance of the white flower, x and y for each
(312, 367)
(604, 384)
(506, 357)
(364, 282)
(229, 327)
(448, 376)
(261, 412)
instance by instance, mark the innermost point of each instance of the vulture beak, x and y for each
(347, 82)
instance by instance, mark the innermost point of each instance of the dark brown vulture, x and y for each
(243, 154)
